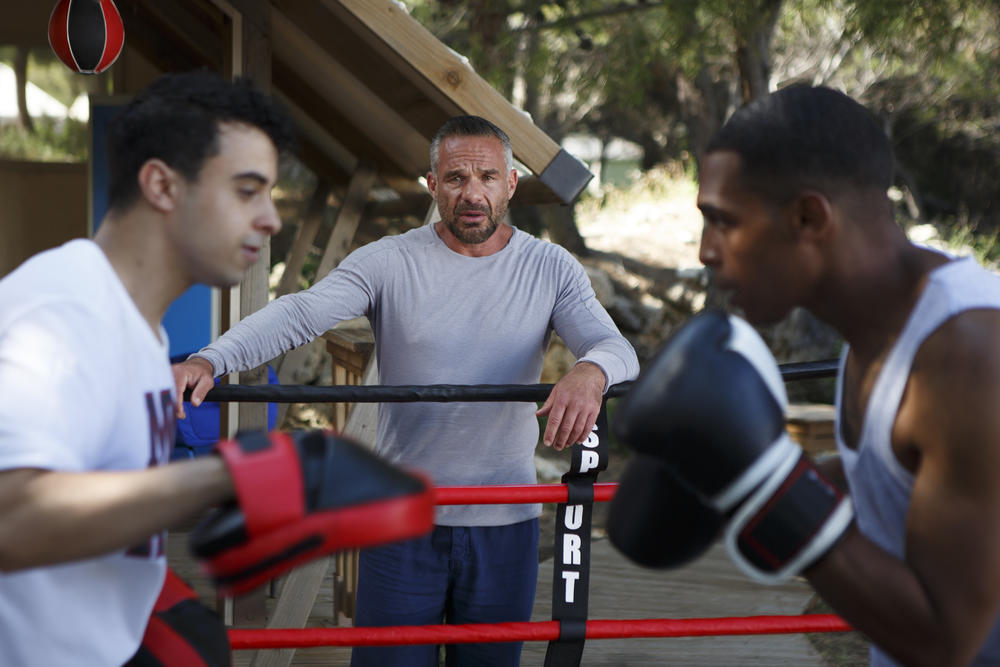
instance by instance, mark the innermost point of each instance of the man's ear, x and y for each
(432, 183)
(813, 215)
(511, 183)
(158, 185)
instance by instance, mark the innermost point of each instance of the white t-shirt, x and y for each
(85, 385)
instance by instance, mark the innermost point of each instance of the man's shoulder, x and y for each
(408, 240)
(55, 262)
(535, 246)
(59, 277)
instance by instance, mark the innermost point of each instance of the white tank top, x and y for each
(880, 486)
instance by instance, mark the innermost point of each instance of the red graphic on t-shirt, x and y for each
(162, 431)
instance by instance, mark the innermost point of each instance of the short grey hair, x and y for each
(470, 126)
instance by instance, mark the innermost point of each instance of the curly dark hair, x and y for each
(176, 119)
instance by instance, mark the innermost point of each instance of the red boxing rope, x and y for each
(508, 494)
(533, 631)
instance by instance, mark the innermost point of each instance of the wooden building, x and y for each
(366, 85)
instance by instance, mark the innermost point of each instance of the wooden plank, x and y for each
(389, 25)
(199, 27)
(347, 219)
(249, 55)
(307, 125)
(292, 609)
(812, 426)
(350, 96)
(304, 237)
(26, 24)
(709, 587)
(303, 243)
(380, 68)
(300, 589)
(156, 42)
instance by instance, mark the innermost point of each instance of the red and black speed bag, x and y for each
(87, 35)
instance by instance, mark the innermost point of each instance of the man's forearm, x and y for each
(53, 517)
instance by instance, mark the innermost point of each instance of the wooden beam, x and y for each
(348, 94)
(317, 134)
(320, 163)
(248, 54)
(381, 70)
(292, 611)
(409, 204)
(327, 126)
(146, 33)
(26, 24)
(199, 28)
(347, 219)
(386, 22)
(304, 237)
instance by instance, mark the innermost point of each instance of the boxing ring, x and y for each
(570, 627)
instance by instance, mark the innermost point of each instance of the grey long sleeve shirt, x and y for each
(444, 318)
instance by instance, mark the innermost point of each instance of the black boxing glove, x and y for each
(710, 404)
(299, 496)
(655, 520)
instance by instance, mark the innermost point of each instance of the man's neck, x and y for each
(494, 244)
(139, 255)
(875, 296)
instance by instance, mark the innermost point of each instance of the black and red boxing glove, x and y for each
(301, 495)
(711, 406)
(182, 631)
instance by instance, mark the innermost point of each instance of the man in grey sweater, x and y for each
(467, 300)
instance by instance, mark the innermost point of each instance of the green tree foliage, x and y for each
(667, 74)
(48, 139)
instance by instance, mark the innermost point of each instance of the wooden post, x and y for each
(249, 54)
(337, 248)
(348, 218)
(311, 219)
(298, 594)
(350, 351)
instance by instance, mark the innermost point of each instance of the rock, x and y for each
(557, 361)
(604, 288)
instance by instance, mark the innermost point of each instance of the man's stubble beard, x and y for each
(477, 235)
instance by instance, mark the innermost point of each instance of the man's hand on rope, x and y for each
(573, 405)
(196, 374)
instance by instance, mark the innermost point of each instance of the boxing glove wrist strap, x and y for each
(267, 476)
(788, 523)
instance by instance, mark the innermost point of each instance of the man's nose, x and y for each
(269, 221)
(708, 252)
(474, 192)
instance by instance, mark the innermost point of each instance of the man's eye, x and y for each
(716, 221)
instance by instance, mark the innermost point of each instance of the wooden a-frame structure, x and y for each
(366, 85)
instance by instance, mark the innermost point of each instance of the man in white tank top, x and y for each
(86, 391)
(793, 190)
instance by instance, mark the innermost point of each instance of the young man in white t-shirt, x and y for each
(86, 392)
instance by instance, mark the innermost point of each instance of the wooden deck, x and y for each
(711, 587)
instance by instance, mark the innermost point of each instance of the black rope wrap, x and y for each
(445, 393)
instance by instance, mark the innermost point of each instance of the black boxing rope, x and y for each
(444, 393)
(571, 559)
